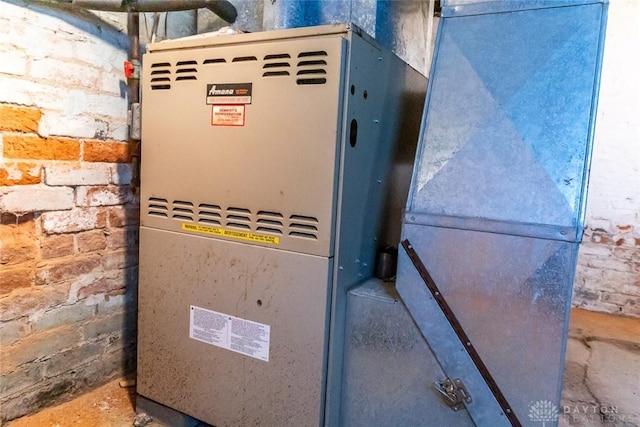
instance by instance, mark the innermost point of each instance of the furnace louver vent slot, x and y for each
(186, 70)
(312, 69)
(276, 65)
(161, 76)
(238, 218)
(312, 53)
(214, 61)
(209, 214)
(314, 81)
(182, 210)
(244, 59)
(303, 226)
(314, 62)
(277, 56)
(270, 222)
(158, 207)
(275, 73)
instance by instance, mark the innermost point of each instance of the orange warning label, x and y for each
(227, 115)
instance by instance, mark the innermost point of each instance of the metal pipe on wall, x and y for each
(222, 8)
(133, 31)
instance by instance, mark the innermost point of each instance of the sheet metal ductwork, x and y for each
(497, 202)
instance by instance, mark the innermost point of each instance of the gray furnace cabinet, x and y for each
(273, 166)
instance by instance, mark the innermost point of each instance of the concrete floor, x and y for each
(602, 371)
(601, 383)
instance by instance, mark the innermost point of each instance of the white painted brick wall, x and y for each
(19, 90)
(78, 219)
(55, 122)
(608, 275)
(73, 175)
(12, 61)
(102, 196)
(614, 192)
(69, 67)
(65, 72)
(121, 174)
(28, 198)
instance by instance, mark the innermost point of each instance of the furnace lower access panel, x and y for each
(248, 283)
(273, 166)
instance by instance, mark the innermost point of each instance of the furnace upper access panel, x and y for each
(223, 111)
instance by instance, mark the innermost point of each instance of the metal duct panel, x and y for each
(512, 297)
(451, 8)
(497, 201)
(509, 120)
(383, 339)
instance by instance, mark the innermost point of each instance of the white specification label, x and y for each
(229, 332)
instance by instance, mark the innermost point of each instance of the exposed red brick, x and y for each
(601, 237)
(101, 151)
(40, 345)
(116, 292)
(90, 241)
(25, 301)
(103, 195)
(120, 216)
(57, 246)
(121, 258)
(20, 174)
(101, 286)
(117, 238)
(80, 219)
(18, 146)
(9, 218)
(17, 243)
(15, 278)
(57, 271)
(19, 119)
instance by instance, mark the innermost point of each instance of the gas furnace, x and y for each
(273, 166)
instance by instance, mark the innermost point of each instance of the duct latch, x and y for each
(453, 392)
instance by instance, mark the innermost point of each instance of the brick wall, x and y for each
(608, 276)
(68, 231)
